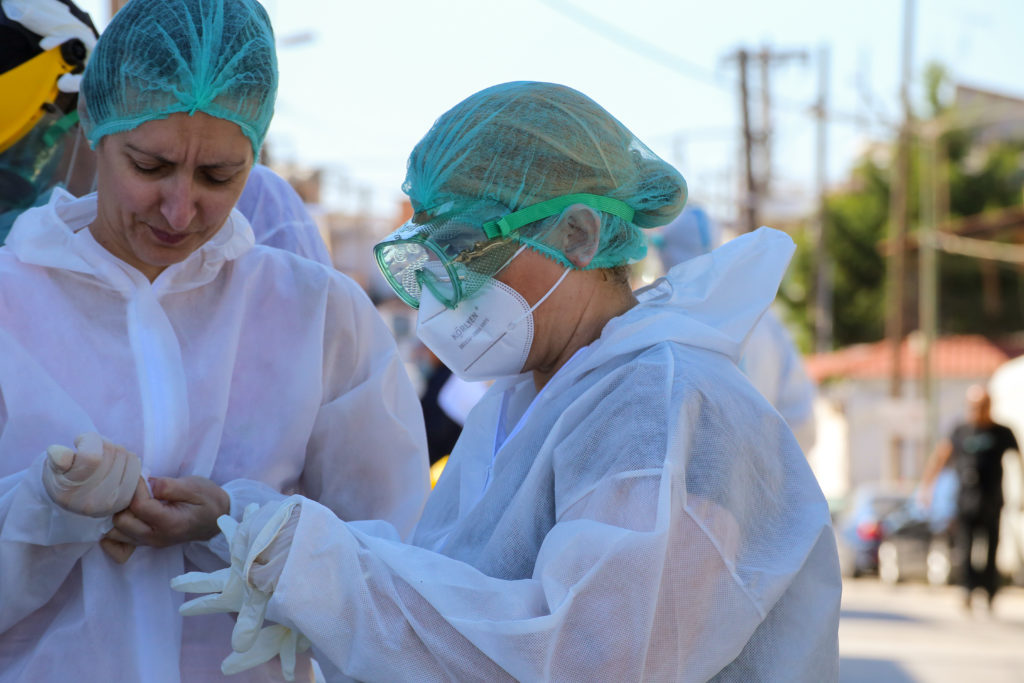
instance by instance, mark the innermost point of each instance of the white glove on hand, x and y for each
(226, 587)
(97, 479)
(260, 543)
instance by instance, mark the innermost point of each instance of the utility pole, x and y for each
(765, 139)
(896, 258)
(751, 199)
(933, 165)
(822, 263)
(756, 145)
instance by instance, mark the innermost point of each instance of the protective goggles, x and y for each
(457, 248)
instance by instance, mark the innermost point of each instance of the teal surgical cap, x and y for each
(161, 57)
(519, 144)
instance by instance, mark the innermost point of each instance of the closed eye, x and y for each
(215, 180)
(146, 168)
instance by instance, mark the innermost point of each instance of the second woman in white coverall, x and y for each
(622, 504)
(770, 358)
(228, 373)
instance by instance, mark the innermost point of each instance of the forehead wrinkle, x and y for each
(167, 160)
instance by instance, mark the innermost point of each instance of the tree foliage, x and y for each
(975, 296)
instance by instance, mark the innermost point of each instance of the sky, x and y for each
(361, 82)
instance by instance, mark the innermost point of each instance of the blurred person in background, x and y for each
(279, 217)
(770, 358)
(158, 370)
(773, 365)
(975, 452)
(622, 504)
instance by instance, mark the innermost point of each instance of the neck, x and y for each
(606, 300)
(123, 254)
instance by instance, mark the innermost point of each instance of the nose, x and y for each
(179, 203)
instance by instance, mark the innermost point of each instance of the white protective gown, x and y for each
(773, 365)
(279, 217)
(646, 516)
(264, 371)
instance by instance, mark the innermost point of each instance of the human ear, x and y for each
(581, 234)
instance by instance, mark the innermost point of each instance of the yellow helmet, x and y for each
(41, 42)
(30, 89)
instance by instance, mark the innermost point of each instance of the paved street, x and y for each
(915, 632)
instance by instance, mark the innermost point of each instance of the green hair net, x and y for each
(523, 143)
(161, 57)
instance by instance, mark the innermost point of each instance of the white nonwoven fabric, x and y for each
(646, 516)
(264, 371)
(278, 216)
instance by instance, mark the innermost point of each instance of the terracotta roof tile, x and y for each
(953, 356)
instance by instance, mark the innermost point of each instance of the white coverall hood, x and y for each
(54, 243)
(646, 516)
(716, 299)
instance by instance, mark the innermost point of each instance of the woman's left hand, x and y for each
(177, 511)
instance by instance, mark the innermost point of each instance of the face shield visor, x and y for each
(38, 129)
(458, 248)
(52, 154)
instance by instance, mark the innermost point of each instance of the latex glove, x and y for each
(258, 545)
(275, 640)
(97, 478)
(225, 587)
(69, 83)
(118, 547)
(264, 571)
(51, 19)
(257, 535)
(265, 560)
(54, 21)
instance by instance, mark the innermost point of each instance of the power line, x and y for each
(636, 44)
(689, 69)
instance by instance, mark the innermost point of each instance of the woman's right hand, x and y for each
(97, 478)
(178, 510)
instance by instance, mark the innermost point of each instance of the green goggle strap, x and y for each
(508, 224)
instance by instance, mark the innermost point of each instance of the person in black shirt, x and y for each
(975, 450)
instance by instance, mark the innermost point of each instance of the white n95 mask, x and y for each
(485, 337)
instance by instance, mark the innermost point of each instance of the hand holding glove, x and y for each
(97, 478)
(259, 547)
(176, 510)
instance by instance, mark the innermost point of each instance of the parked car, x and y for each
(915, 540)
(859, 528)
